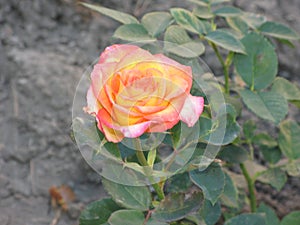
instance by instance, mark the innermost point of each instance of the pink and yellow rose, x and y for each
(133, 92)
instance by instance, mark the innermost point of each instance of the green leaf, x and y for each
(293, 168)
(266, 105)
(292, 218)
(179, 183)
(230, 194)
(178, 42)
(131, 217)
(286, 88)
(85, 132)
(207, 2)
(127, 217)
(220, 101)
(184, 144)
(191, 49)
(289, 141)
(225, 40)
(258, 67)
(222, 131)
(188, 21)
(296, 103)
(248, 129)
(278, 30)
(114, 14)
(253, 20)
(200, 2)
(247, 219)
(227, 109)
(268, 146)
(176, 206)
(264, 139)
(132, 197)
(156, 22)
(287, 43)
(211, 181)
(176, 34)
(232, 129)
(228, 11)
(210, 213)
(271, 217)
(233, 154)
(98, 212)
(124, 172)
(132, 32)
(216, 2)
(271, 155)
(274, 176)
(203, 12)
(237, 24)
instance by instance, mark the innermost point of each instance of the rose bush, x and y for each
(206, 174)
(133, 92)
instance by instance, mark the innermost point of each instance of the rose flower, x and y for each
(133, 92)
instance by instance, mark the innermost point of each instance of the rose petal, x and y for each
(125, 116)
(131, 131)
(115, 53)
(192, 109)
(135, 130)
(124, 55)
(111, 134)
(169, 113)
(100, 76)
(149, 109)
(93, 105)
(162, 126)
(172, 63)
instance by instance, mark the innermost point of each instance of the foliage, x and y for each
(203, 182)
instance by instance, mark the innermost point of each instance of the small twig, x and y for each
(148, 216)
(56, 218)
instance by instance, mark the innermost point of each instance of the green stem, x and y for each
(251, 187)
(224, 65)
(251, 150)
(143, 161)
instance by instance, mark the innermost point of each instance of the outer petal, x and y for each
(135, 130)
(161, 126)
(93, 105)
(111, 134)
(115, 53)
(191, 110)
(100, 76)
(124, 55)
(114, 131)
(169, 113)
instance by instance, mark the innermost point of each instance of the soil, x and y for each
(45, 46)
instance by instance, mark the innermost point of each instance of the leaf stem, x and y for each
(251, 187)
(224, 64)
(143, 161)
(251, 150)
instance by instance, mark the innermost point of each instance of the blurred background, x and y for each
(45, 46)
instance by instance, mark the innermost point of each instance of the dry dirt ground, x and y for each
(45, 46)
